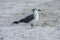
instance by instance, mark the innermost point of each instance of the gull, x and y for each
(30, 18)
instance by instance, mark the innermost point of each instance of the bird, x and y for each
(30, 18)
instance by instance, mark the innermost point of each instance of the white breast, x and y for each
(36, 16)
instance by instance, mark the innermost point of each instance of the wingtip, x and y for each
(15, 22)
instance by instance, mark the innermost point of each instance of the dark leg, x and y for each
(32, 26)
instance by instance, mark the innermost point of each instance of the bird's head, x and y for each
(36, 9)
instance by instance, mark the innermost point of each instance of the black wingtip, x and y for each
(15, 22)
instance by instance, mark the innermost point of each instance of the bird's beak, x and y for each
(39, 10)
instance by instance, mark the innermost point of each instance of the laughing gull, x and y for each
(30, 18)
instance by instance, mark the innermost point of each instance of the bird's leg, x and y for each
(32, 26)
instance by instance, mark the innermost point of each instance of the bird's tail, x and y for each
(17, 22)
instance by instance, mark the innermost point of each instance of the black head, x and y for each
(39, 10)
(36, 9)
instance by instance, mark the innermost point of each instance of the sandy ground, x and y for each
(46, 28)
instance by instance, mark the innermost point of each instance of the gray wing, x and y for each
(27, 19)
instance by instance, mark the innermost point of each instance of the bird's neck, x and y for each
(35, 13)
